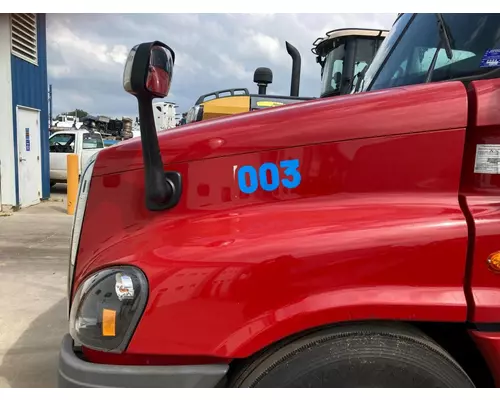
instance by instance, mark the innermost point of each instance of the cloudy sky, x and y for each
(86, 53)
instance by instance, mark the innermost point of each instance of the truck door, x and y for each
(91, 143)
(61, 144)
(480, 199)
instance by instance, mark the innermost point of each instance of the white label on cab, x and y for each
(487, 159)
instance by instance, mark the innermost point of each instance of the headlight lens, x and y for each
(107, 308)
(83, 191)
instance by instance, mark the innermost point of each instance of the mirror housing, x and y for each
(148, 70)
(147, 75)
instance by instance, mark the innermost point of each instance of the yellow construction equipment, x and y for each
(341, 53)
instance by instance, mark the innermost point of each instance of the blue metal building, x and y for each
(24, 140)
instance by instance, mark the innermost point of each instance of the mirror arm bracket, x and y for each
(162, 189)
(174, 182)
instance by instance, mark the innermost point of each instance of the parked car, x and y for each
(80, 142)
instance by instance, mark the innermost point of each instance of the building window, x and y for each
(23, 30)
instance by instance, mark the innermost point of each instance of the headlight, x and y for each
(83, 191)
(194, 114)
(107, 308)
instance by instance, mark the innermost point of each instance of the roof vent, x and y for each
(23, 37)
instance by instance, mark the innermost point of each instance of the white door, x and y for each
(28, 149)
(91, 143)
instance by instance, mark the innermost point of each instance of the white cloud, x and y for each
(229, 66)
(74, 48)
(266, 45)
(86, 53)
(119, 54)
(57, 71)
(186, 62)
(81, 98)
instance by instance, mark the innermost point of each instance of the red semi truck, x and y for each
(348, 241)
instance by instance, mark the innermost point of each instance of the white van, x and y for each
(80, 142)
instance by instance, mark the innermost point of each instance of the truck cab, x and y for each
(343, 54)
(348, 241)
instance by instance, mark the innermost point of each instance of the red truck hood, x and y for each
(395, 111)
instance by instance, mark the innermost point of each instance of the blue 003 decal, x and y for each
(261, 177)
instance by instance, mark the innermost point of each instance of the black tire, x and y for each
(374, 355)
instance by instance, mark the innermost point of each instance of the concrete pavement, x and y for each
(34, 252)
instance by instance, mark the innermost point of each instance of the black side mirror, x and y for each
(147, 75)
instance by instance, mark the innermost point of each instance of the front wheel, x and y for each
(364, 356)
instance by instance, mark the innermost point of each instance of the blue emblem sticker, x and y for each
(491, 58)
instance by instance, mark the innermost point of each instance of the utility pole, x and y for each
(50, 105)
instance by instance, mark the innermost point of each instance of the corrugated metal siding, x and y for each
(29, 89)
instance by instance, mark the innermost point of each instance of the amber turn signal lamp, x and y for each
(108, 322)
(494, 262)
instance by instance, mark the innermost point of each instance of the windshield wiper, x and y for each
(445, 36)
(445, 42)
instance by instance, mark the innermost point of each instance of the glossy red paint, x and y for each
(481, 194)
(488, 344)
(383, 113)
(374, 231)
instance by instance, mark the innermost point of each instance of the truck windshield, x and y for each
(406, 56)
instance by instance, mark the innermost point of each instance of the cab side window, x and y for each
(62, 143)
(92, 141)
